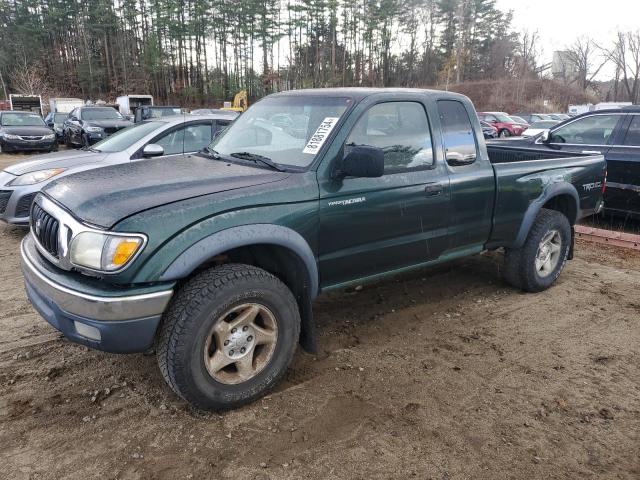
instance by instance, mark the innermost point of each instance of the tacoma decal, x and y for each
(349, 201)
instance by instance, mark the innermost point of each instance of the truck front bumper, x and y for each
(107, 320)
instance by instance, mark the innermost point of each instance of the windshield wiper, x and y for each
(254, 157)
(90, 149)
(211, 153)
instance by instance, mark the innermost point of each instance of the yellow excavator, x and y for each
(240, 102)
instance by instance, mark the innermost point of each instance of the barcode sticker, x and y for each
(320, 136)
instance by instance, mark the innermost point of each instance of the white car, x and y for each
(536, 128)
(165, 136)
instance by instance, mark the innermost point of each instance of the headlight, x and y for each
(93, 129)
(51, 136)
(104, 251)
(35, 177)
(10, 136)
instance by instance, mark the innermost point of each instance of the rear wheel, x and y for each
(537, 265)
(228, 336)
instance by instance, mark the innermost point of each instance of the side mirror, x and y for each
(544, 136)
(363, 161)
(152, 150)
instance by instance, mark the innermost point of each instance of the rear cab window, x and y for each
(457, 133)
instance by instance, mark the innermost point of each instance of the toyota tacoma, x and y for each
(214, 259)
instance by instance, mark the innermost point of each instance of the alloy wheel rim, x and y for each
(548, 255)
(241, 343)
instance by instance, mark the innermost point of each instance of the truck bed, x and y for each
(525, 176)
(509, 154)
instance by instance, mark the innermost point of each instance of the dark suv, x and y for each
(87, 125)
(613, 133)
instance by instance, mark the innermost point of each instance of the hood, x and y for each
(63, 159)
(27, 130)
(107, 123)
(107, 195)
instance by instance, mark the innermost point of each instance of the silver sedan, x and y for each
(164, 136)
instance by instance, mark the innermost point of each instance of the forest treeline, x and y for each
(195, 51)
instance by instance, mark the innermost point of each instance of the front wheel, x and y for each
(538, 263)
(504, 133)
(228, 336)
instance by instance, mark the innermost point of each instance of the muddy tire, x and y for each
(228, 336)
(537, 265)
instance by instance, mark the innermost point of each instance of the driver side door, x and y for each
(369, 226)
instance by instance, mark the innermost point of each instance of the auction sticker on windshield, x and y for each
(320, 136)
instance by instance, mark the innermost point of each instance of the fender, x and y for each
(241, 236)
(246, 235)
(554, 190)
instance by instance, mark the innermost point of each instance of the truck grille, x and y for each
(4, 199)
(24, 205)
(45, 228)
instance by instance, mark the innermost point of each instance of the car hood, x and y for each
(107, 123)
(63, 159)
(27, 130)
(105, 196)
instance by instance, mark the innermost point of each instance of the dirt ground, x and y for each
(445, 373)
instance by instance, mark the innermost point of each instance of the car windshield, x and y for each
(22, 120)
(502, 117)
(101, 114)
(123, 139)
(165, 112)
(288, 130)
(544, 124)
(60, 117)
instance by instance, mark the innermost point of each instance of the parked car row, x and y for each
(166, 136)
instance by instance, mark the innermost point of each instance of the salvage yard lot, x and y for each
(444, 373)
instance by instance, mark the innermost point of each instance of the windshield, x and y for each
(164, 112)
(123, 139)
(503, 118)
(22, 120)
(544, 124)
(101, 114)
(60, 117)
(289, 130)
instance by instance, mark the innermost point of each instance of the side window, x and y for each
(401, 130)
(196, 137)
(592, 130)
(457, 132)
(172, 142)
(490, 118)
(632, 138)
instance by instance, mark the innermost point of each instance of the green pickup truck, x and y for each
(215, 259)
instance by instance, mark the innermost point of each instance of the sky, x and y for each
(560, 22)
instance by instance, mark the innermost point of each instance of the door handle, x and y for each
(433, 189)
(592, 152)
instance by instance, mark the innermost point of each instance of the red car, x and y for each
(506, 126)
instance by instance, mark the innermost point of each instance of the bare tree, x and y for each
(28, 80)
(625, 55)
(583, 56)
